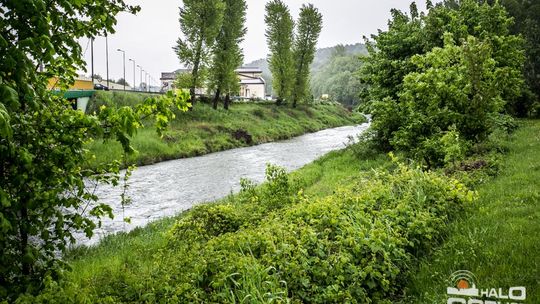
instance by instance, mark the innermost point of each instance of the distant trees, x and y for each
(339, 78)
(308, 30)
(526, 15)
(279, 36)
(200, 22)
(122, 81)
(227, 54)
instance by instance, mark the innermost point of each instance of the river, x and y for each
(167, 188)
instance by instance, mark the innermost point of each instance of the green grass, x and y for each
(205, 130)
(499, 240)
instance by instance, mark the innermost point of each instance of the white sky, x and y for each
(149, 36)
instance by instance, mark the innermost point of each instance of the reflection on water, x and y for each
(166, 188)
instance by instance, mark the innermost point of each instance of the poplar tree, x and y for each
(279, 36)
(308, 30)
(200, 21)
(227, 52)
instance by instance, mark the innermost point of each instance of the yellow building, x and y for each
(79, 93)
(81, 83)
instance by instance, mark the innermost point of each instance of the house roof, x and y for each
(252, 81)
(248, 70)
(172, 75)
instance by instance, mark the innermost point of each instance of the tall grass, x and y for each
(500, 239)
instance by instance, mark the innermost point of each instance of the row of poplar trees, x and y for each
(212, 32)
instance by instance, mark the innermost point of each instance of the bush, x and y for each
(356, 246)
(351, 247)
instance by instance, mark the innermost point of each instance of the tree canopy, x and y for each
(227, 54)
(279, 36)
(200, 23)
(305, 41)
(448, 72)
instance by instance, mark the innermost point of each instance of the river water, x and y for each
(167, 188)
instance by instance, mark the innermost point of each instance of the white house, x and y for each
(252, 85)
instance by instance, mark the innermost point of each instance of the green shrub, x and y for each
(351, 247)
(271, 244)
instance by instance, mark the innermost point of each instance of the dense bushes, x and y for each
(354, 246)
(438, 83)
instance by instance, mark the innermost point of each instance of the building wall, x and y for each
(80, 84)
(253, 91)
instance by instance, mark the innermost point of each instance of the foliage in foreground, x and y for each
(274, 244)
(44, 195)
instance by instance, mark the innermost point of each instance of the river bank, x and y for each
(167, 188)
(375, 226)
(205, 130)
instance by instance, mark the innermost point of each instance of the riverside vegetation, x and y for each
(356, 226)
(353, 226)
(203, 130)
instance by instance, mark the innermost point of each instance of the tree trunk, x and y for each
(195, 72)
(227, 101)
(192, 98)
(279, 101)
(216, 99)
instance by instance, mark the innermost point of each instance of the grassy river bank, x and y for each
(350, 227)
(205, 130)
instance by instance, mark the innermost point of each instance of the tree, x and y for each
(122, 81)
(308, 31)
(44, 188)
(416, 98)
(227, 54)
(279, 36)
(200, 21)
(526, 16)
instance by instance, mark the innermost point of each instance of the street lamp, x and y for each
(145, 84)
(140, 84)
(124, 56)
(133, 73)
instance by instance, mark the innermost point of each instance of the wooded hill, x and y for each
(320, 67)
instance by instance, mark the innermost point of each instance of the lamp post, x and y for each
(133, 73)
(147, 86)
(107, 57)
(124, 56)
(140, 83)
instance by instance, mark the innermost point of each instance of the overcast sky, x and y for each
(149, 36)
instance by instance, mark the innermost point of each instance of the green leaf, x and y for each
(9, 97)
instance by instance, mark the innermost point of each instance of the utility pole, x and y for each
(107, 57)
(92, 60)
(133, 73)
(124, 56)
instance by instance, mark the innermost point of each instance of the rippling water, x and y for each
(167, 188)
